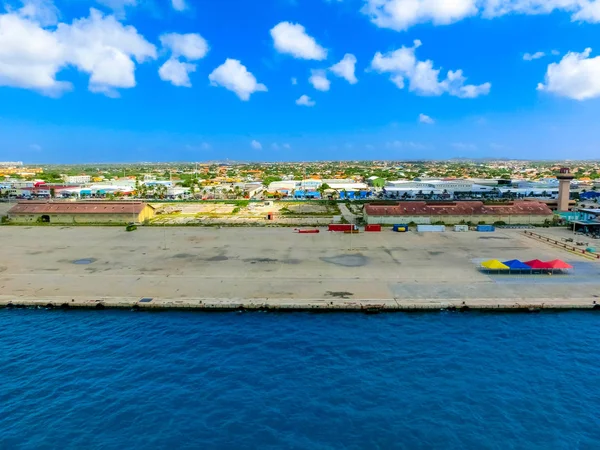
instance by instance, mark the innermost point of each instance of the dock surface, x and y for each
(275, 268)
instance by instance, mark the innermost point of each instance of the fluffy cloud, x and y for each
(43, 12)
(118, 6)
(424, 118)
(319, 80)
(104, 48)
(287, 146)
(179, 5)
(532, 56)
(256, 145)
(30, 56)
(291, 38)
(305, 100)
(576, 76)
(176, 72)
(191, 46)
(345, 68)
(234, 76)
(294, 81)
(99, 45)
(422, 78)
(402, 14)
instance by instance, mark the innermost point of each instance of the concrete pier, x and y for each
(276, 269)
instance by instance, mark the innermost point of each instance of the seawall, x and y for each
(289, 305)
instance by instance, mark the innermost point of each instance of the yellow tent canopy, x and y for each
(494, 264)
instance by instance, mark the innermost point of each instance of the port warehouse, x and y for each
(421, 212)
(81, 212)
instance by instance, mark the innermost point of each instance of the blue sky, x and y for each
(134, 80)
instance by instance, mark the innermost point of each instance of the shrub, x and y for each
(499, 223)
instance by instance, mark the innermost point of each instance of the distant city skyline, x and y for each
(100, 81)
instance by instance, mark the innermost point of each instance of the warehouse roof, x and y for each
(458, 209)
(30, 207)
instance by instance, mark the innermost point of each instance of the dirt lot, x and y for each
(254, 213)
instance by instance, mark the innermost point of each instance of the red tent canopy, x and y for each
(558, 264)
(537, 264)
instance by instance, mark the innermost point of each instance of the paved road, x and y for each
(346, 213)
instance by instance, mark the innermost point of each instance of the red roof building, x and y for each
(76, 212)
(454, 212)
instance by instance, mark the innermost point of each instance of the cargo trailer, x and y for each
(342, 227)
(431, 228)
(461, 228)
(373, 228)
(486, 228)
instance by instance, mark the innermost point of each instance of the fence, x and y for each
(562, 244)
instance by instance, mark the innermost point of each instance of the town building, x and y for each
(77, 179)
(517, 212)
(80, 212)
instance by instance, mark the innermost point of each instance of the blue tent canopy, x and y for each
(515, 264)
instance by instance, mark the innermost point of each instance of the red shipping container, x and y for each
(373, 228)
(341, 227)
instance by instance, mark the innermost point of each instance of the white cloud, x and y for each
(305, 100)
(118, 6)
(291, 38)
(576, 76)
(191, 46)
(424, 118)
(294, 81)
(319, 80)
(35, 147)
(345, 68)
(287, 146)
(104, 48)
(205, 146)
(555, 52)
(402, 14)
(256, 145)
(31, 56)
(531, 57)
(176, 72)
(234, 76)
(179, 5)
(43, 12)
(422, 78)
(275, 146)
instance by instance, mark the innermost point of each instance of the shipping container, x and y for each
(342, 227)
(373, 228)
(431, 228)
(400, 228)
(461, 227)
(486, 228)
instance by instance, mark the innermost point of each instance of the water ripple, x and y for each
(113, 380)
